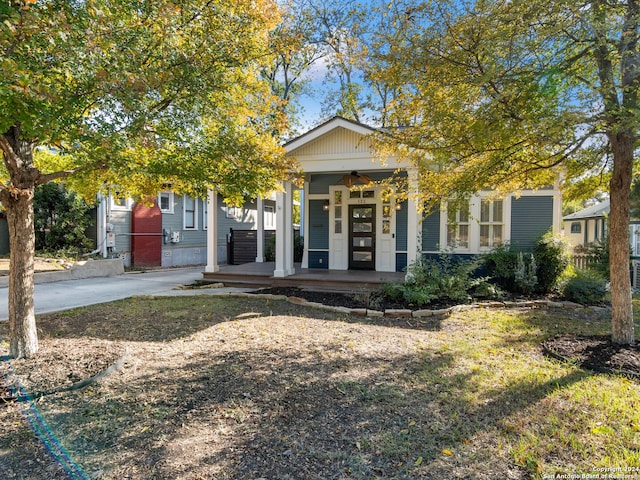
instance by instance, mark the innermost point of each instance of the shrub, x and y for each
(428, 280)
(520, 272)
(511, 269)
(501, 264)
(270, 248)
(551, 255)
(585, 287)
(61, 220)
(525, 277)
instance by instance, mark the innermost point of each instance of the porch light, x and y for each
(325, 206)
(398, 204)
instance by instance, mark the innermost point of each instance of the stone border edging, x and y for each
(406, 313)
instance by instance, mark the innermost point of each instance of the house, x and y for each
(172, 231)
(353, 223)
(588, 225)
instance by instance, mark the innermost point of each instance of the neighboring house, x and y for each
(351, 224)
(173, 231)
(588, 225)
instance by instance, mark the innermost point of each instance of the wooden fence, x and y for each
(242, 245)
(582, 260)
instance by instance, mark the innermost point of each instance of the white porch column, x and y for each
(284, 232)
(260, 227)
(414, 236)
(212, 232)
(304, 221)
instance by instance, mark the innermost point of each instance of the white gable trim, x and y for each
(325, 128)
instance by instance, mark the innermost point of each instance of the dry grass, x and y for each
(249, 388)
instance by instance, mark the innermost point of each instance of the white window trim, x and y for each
(474, 224)
(269, 212)
(491, 222)
(171, 202)
(468, 223)
(122, 208)
(205, 212)
(184, 213)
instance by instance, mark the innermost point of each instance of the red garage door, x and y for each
(146, 236)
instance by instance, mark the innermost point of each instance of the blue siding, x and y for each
(531, 217)
(401, 262)
(320, 183)
(401, 228)
(431, 232)
(318, 259)
(318, 226)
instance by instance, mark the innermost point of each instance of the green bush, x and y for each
(512, 269)
(521, 272)
(61, 220)
(501, 264)
(270, 248)
(585, 287)
(525, 273)
(551, 255)
(445, 278)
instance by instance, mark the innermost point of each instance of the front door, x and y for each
(362, 237)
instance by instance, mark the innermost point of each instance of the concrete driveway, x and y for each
(63, 295)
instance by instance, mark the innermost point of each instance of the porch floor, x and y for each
(261, 275)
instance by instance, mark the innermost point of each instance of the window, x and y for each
(232, 212)
(337, 212)
(205, 213)
(576, 227)
(120, 201)
(458, 224)
(165, 202)
(269, 217)
(491, 224)
(190, 213)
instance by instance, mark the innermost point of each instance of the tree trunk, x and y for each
(17, 199)
(622, 329)
(22, 321)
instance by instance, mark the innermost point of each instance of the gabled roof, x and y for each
(599, 210)
(326, 127)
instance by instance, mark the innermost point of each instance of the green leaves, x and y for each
(493, 92)
(124, 89)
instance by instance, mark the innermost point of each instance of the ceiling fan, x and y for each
(351, 179)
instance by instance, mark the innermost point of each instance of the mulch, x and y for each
(596, 353)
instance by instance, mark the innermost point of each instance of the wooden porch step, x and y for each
(261, 275)
(312, 284)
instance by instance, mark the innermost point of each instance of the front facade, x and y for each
(352, 219)
(352, 222)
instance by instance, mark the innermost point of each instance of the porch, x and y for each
(260, 275)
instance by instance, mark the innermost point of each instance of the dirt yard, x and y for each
(243, 388)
